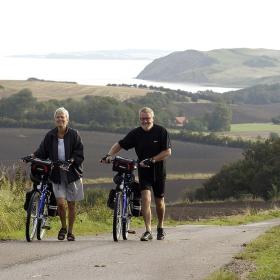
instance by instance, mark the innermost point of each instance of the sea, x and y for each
(87, 72)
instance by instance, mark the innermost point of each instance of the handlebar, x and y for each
(64, 165)
(146, 162)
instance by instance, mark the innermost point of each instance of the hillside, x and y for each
(45, 90)
(221, 67)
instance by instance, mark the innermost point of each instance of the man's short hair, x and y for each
(146, 110)
(63, 111)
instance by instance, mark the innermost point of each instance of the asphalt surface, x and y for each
(188, 252)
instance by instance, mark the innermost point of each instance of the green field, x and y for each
(253, 130)
(255, 127)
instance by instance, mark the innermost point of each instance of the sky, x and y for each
(46, 26)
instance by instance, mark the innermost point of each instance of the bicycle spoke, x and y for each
(117, 220)
(32, 217)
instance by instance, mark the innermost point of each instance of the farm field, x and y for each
(44, 90)
(175, 189)
(206, 210)
(253, 130)
(186, 159)
(241, 113)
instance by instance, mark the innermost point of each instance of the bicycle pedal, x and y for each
(46, 227)
(131, 231)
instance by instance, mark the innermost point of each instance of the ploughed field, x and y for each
(205, 210)
(186, 157)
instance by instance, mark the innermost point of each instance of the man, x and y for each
(152, 146)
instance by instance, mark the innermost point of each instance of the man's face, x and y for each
(146, 120)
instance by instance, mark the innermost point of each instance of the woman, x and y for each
(64, 143)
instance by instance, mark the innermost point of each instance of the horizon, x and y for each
(128, 50)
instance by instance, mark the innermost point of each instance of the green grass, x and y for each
(170, 177)
(222, 275)
(255, 127)
(265, 253)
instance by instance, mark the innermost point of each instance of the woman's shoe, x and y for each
(61, 234)
(70, 236)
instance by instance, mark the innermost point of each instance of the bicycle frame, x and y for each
(125, 199)
(43, 199)
(122, 210)
(38, 212)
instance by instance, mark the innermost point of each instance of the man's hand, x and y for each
(106, 159)
(148, 162)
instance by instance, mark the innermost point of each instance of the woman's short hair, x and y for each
(146, 110)
(63, 111)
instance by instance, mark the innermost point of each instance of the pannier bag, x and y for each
(111, 199)
(52, 206)
(135, 199)
(27, 199)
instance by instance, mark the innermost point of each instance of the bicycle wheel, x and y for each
(32, 217)
(117, 219)
(42, 220)
(126, 221)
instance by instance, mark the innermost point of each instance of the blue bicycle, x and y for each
(39, 206)
(126, 201)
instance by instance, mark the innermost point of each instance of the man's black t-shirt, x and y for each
(148, 144)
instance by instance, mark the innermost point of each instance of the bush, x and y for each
(258, 174)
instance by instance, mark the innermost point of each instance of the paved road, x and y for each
(189, 252)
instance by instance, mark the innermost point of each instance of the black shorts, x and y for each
(158, 186)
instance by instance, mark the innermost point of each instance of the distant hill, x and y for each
(222, 67)
(128, 54)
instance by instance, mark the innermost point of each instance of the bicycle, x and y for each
(39, 205)
(125, 204)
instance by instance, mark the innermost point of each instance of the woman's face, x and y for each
(61, 120)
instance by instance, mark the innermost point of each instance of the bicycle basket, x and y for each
(123, 165)
(111, 199)
(38, 171)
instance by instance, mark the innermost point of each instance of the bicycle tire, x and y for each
(126, 221)
(41, 230)
(117, 219)
(32, 217)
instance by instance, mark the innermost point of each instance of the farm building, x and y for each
(181, 121)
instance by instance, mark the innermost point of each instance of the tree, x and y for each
(220, 119)
(258, 174)
(17, 105)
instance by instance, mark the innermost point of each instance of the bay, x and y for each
(87, 72)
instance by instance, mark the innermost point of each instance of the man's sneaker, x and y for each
(147, 235)
(160, 234)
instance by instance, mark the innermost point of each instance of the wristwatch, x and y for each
(153, 160)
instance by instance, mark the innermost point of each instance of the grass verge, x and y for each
(264, 256)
